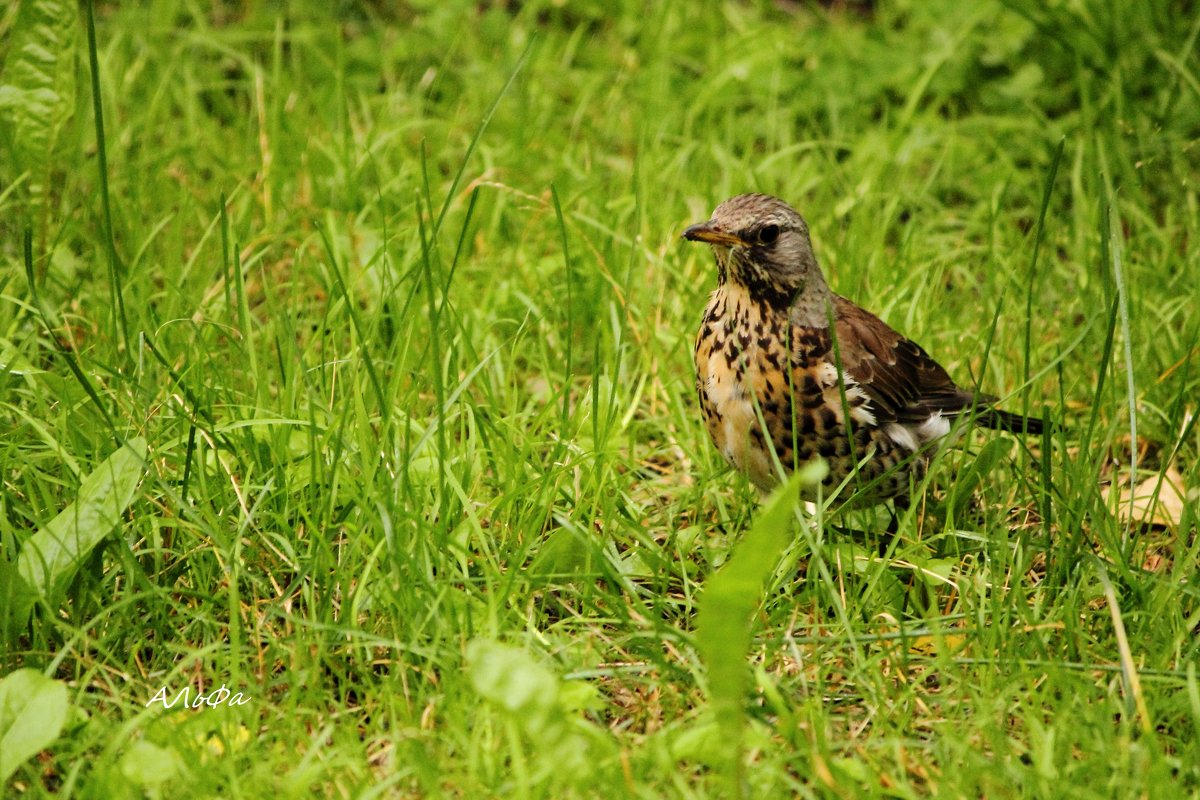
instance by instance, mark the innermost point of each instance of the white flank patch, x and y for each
(902, 435)
(933, 428)
(861, 414)
(913, 437)
(827, 376)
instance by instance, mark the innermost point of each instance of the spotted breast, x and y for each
(761, 379)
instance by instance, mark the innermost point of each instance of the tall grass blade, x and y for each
(116, 268)
(724, 627)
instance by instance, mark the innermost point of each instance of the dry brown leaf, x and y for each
(1142, 506)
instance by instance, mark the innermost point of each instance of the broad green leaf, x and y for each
(33, 709)
(146, 765)
(49, 559)
(543, 708)
(566, 554)
(514, 681)
(37, 83)
(724, 626)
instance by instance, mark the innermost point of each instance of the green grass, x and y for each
(397, 301)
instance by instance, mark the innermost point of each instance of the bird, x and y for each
(788, 372)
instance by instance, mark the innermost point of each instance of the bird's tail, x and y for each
(999, 420)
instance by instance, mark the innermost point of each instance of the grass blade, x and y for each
(727, 607)
(116, 269)
(1113, 232)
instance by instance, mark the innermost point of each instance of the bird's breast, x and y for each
(741, 358)
(769, 391)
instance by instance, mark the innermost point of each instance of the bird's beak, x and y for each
(707, 232)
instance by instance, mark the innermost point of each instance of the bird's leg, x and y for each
(900, 504)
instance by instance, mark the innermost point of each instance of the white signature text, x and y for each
(213, 699)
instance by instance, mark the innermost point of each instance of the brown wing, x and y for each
(903, 382)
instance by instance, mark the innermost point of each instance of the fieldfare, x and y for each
(782, 363)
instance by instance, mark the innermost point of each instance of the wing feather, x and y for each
(904, 383)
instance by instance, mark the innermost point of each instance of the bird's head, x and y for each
(761, 243)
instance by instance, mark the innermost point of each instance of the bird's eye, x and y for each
(768, 234)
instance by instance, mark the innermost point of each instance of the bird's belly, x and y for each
(730, 414)
(727, 400)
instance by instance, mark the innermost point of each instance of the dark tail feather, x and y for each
(999, 420)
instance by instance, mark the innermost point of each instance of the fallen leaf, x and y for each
(1156, 501)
